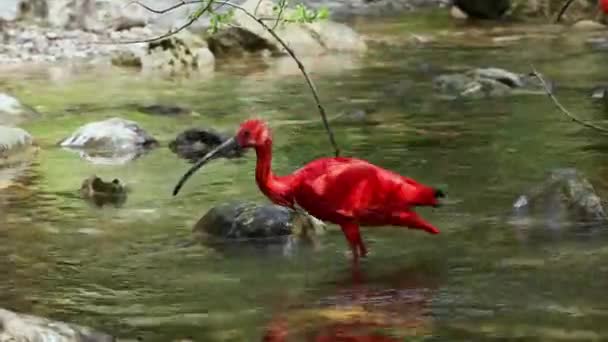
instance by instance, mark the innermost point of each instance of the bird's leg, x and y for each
(411, 220)
(353, 235)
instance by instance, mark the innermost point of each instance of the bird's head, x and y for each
(251, 133)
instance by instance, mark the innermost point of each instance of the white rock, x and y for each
(113, 134)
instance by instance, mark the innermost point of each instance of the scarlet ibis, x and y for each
(604, 6)
(349, 192)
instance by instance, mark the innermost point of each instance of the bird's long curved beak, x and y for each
(224, 147)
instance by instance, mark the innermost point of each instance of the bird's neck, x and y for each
(271, 185)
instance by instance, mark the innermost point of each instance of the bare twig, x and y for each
(170, 32)
(563, 10)
(562, 108)
(168, 9)
(270, 30)
(282, 6)
(311, 85)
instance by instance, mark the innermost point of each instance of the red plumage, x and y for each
(604, 6)
(349, 192)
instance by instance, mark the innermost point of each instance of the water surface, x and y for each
(128, 272)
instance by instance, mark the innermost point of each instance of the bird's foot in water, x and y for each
(355, 257)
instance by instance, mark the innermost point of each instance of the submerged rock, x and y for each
(194, 143)
(600, 93)
(15, 143)
(13, 112)
(164, 110)
(566, 197)
(247, 220)
(487, 82)
(360, 116)
(113, 139)
(15, 327)
(101, 193)
(483, 9)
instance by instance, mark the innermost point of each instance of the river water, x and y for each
(129, 272)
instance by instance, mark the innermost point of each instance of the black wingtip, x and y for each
(439, 193)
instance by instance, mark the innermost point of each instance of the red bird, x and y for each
(604, 6)
(346, 191)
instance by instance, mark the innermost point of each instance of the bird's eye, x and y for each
(246, 134)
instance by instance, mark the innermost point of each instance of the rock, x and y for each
(483, 9)
(23, 9)
(101, 193)
(16, 327)
(588, 25)
(598, 43)
(600, 93)
(114, 140)
(15, 144)
(238, 42)
(164, 110)
(246, 220)
(305, 39)
(74, 15)
(180, 54)
(577, 10)
(457, 13)
(360, 116)
(194, 143)
(13, 112)
(487, 82)
(565, 197)
(127, 59)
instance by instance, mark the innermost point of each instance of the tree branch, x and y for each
(563, 10)
(168, 9)
(311, 85)
(562, 108)
(170, 32)
(270, 30)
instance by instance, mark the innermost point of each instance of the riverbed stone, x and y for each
(180, 54)
(565, 196)
(241, 220)
(17, 327)
(588, 25)
(487, 82)
(100, 192)
(192, 144)
(483, 9)
(112, 139)
(13, 112)
(14, 142)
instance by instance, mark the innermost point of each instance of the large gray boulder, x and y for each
(484, 9)
(114, 140)
(15, 327)
(306, 39)
(566, 197)
(246, 220)
(13, 112)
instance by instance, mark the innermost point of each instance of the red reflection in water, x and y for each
(358, 312)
